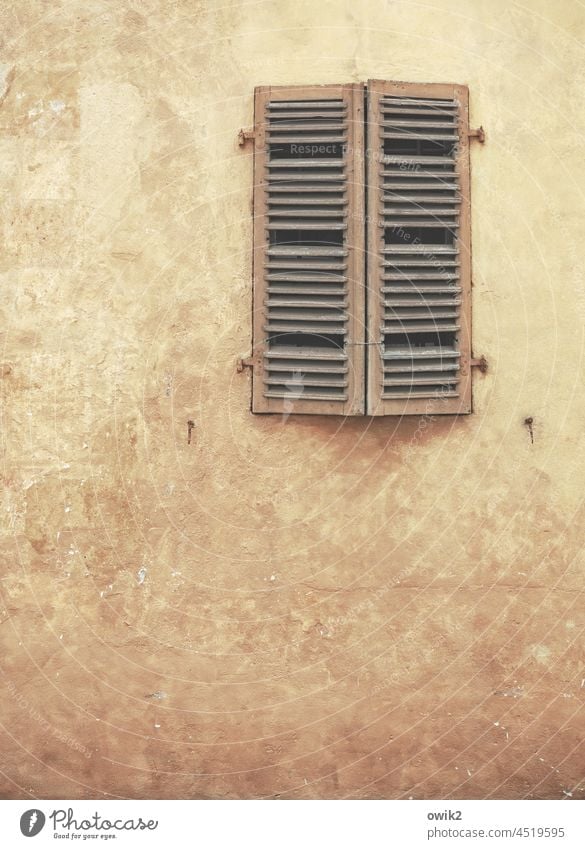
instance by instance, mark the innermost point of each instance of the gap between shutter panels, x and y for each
(416, 285)
(307, 264)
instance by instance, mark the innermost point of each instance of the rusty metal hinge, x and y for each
(479, 362)
(244, 362)
(478, 134)
(248, 362)
(244, 136)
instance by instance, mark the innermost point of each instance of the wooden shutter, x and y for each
(309, 294)
(419, 262)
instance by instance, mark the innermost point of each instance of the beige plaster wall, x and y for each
(316, 608)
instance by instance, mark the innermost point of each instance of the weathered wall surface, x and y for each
(316, 608)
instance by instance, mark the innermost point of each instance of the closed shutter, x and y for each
(309, 296)
(419, 262)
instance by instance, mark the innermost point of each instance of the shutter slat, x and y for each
(306, 379)
(289, 395)
(310, 201)
(391, 328)
(316, 353)
(421, 114)
(420, 275)
(309, 110)
(420, 264)
(418, 110)
(436, 290)
(281, 329)
(317, 267)
(397, 314)
(418, 209)
(440, 186)
(431, 391)
(429, 353)
(316, 276)
(417, 102)
(334, 104)
(299, 250)
(336, 164)
(433, 379)
(396, 197)
(313, 138)
(405, 161)
(306, 213)
(301, 125)
(304, 365)
(305, 225)
(415, 301)
(308, 291)
(420, 136)
(416, 125)
(311, 188)
(428, 250)
(415, 369)
(394, 221)
(337, 303)
(308, 314)
(442, 176)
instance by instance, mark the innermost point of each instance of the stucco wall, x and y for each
(309, 608)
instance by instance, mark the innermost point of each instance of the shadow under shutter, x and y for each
(419, 263)
(309, 297)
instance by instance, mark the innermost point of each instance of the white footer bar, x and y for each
(283, 824)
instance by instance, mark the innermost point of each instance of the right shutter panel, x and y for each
(419, 268)
(309, 296)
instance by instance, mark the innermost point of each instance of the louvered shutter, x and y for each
(419, 264)
(309, 294)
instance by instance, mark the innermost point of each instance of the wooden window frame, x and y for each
(362, 342)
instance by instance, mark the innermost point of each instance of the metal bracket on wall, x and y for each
(244, 136)
(479, 362)
(247, 362)
(478, 134)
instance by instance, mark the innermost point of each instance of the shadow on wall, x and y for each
(398, 430)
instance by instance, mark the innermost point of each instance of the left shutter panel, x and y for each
(309, 293)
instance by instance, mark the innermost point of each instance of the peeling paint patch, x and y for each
(541, 654)
(513, 692)
(6, 79)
